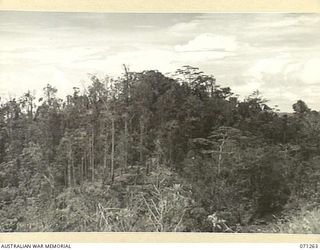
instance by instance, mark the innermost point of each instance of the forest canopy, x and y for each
(151, 152)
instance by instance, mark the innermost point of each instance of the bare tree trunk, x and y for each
(30, 111)
(81, 170)
(141, 143)
(65, 176)
(69, 168)
(126, 94)
(105, 155)
(220, 155)
(126, 142)
(93, 155)
(170, 151)
(73, 170)
(112, 149)
(85, 166)
(90, 157)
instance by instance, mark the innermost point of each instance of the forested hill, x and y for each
(148, 152)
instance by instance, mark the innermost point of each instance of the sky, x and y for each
(275, 53)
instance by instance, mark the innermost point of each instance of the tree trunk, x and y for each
(93, 155)
(112, 150)
(31, 110)
(220, 155)
(126, 142)
(170, 150)
(85, 166)
(65, 176)
(126, 94)
(73, 171)
(141, 144)
(105, 156)
(90, 158)
(81, 170)
(69, 168)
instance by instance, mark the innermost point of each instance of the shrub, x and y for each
(306, 222)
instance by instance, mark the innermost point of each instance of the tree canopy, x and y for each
(149, 152)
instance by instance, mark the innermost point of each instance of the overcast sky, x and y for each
(279, 54)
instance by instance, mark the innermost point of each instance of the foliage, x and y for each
(305, 222)
(150, 152)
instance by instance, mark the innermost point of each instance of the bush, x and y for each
(306, 222)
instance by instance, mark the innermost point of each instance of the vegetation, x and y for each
(149, 152)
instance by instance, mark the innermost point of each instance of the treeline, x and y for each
(149, 152)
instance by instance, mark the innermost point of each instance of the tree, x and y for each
(300, 107)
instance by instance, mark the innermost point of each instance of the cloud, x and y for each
(184, 27)
(144, 26)
(36, 79)
(264, 66)
(283, 80)
(275, 53)
(137, 60)
(209, 42)
(310, 72)
(306, 70)
(289, 21)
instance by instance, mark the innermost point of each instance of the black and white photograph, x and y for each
(159, 122)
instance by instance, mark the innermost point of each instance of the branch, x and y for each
(175, 228)
(150, 210)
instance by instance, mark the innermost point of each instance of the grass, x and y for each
(305, 222)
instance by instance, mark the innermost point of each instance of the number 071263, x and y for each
(309, 246)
